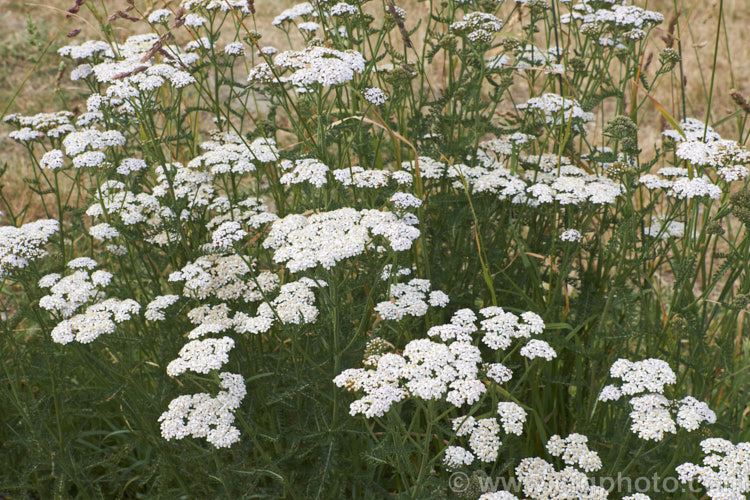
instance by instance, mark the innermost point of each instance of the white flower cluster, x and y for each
(87, 50)
(229, 153)
(483, 441)
(329, 237)
(313, 65)
(295, 303)
(504, 145)
(201, 356)
(70, 293)
(224, 277)
(361, 178)
(343, 9)
(25, 135)
(426, 369)
(435, 370)
(717, 154)
(725, 472)
(132, 209)
(457, 456)
(103, 232)
(501, 327)
(574, 450)
(541, 481)
(308, 26)
(531, 56)
(571, 235)
(621, 20)
(226, 235)
(498, 495)
(85, 146)
(478, 26)
(250, 212)
(483, 436)
(703, 147)
(686, 188)
(694, 131)
(659, 228)
(381, 385)
(512, 416)
(130, 165)
(625, 17)
(428, 168)
(375, 96)
(573, 188)
(461, 326)
(536, 348)
(405, 200)
(19, 246)
(640, 376)
(681, 187)
(559, 110)
(446, 371)
(289, 15)
(240, 6)
(159, 16)
(234, 49)
(545, 181)
(490, 178)
(155, 308)
(210, 319)
(498, 372)
(651, 413)
(37, 126)
(129, 68)
(410, 299)
(191, 184)
(203, 416)
(304, 170)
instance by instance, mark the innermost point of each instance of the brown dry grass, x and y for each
(44, 87)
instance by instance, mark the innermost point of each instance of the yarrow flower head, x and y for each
(558, 110)
(19, 246)
(318, 65)
(695, 130)
(201, 356)
(501, 327)
(68, 295)
(651, 412)
(329, 237)
(478, 26)
(725, 472)
(541, 480)
(512, 416)
(305, 170)
(410, 299)
(571, 235)
(640, 376)
(574, 450)
(155, 308)
(203, 416)
(665, 230)
(375, 96)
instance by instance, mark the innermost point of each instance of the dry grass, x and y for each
(49, 89)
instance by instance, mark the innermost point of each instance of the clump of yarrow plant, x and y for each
(348, 247)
